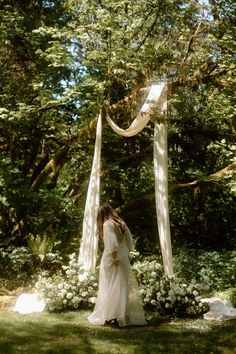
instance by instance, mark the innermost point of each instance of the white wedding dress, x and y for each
(118, 295)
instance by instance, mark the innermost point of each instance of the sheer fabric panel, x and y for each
(157, 98)
(161, 194)
(89, 242)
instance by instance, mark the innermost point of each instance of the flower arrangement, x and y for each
(179, 295)
(74, 288)
(71, 288)
(170, 295)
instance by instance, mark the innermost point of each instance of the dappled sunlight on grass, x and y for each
(71, 333)
(198, 325)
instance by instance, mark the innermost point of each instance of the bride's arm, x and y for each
(110, 241)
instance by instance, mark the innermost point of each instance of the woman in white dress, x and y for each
(118, 300)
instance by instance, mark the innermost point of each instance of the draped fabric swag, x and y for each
(143, 117)
(157, 98)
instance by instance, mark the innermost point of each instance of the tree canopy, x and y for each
(63, 61)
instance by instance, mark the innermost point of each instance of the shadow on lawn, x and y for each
(70, 333)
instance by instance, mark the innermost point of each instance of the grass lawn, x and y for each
(70, 333)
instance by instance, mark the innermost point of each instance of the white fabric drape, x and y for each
(142, 118)
(220, 309)
(161, 194)
(157, 97)
(88, 249)
(89, 242)
(160, 162)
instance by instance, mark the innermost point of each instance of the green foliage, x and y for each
(204, 218)
(34, 119)
(16, 267)
(218, 267)
(40, 245)
(46, 213)
(20, 267)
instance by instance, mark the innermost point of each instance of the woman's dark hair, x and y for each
(106, 212)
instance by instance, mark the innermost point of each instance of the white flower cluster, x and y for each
(169, 295)
(74, 288)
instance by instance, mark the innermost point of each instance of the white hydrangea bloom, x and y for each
(69, 296)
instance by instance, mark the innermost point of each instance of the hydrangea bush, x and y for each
(71, 288)
(74, 288)
(170, 294)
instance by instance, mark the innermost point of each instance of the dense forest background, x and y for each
(61, 62)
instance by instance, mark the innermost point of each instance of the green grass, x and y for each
(70, 333)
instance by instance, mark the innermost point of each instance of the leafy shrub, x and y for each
(41, 245)
(16, 266)
(219, 267)
(19, 267)
(183, 263)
